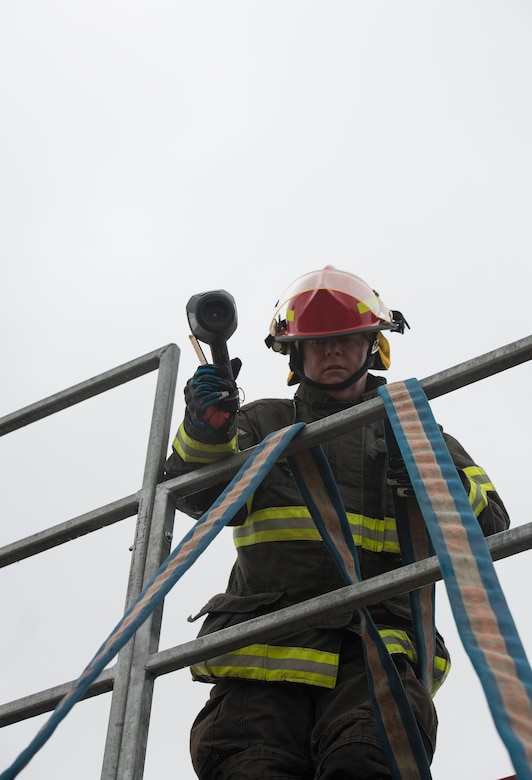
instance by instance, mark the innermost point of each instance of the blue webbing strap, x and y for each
(482, 616)
(415, 545)
(399, 732)
(185, 554)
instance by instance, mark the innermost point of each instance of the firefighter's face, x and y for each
(335, 358)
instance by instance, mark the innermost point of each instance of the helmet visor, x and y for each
(366, 311)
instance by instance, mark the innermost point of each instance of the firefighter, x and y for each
(300, 707)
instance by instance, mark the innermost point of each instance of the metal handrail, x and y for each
(83, 391)
(151, 544)
(274, 625)
(436, 385)
(140, 662)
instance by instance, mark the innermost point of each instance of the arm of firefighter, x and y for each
(194, 504)
(208, 431)
(486, 503)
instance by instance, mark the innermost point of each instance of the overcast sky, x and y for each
(152, 150)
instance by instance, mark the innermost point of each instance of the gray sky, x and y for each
(153, 150)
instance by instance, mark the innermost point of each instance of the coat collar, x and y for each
(319, 400)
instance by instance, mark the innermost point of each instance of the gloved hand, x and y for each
(211, 395)
(398, 479)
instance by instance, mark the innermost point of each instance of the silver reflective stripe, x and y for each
(273, 663)
(192, 451)
(294, 523)
(398, 641)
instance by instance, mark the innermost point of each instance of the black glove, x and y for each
(211, 395)
(398, 479)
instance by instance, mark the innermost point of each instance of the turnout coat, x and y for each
(281, 559)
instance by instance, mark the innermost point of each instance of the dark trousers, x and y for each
(251, 730)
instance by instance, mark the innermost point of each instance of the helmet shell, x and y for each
(329, 303)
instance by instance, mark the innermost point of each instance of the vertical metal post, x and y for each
(131, 683)
(139, 700)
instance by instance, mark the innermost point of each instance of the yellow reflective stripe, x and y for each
(442, 667)
(277, 524)
(375, 535)
(273, 663)
(480, 484)
(294, 523)
(398, 641)
(192, 451)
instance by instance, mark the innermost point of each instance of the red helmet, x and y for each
(329, 303)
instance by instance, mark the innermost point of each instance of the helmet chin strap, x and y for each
(332, 386)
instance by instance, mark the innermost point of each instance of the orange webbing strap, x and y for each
(482, 616)
(398, 729)
(235, 495)
(415, 545)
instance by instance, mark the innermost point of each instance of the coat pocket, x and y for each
(229, 609)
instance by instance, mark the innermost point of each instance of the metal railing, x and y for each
(141, 662)
(151, 544)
